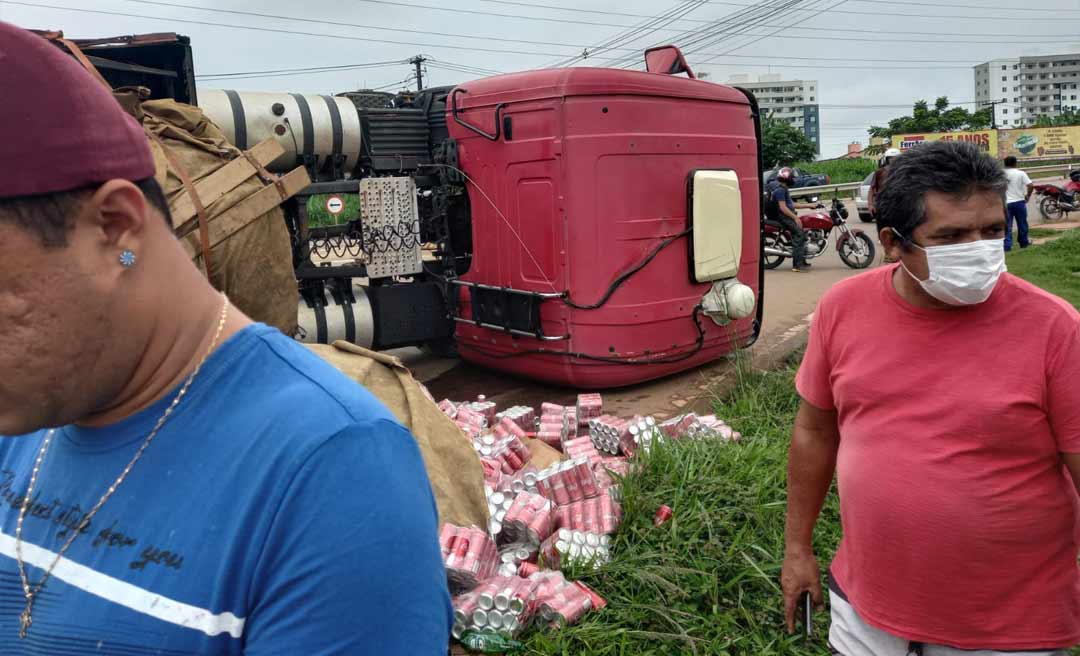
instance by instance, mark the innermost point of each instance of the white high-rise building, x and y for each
(794, 101)
(999, 81)
(1026, 88)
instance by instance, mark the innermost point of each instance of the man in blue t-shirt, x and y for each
(780, 208)
(176, 479)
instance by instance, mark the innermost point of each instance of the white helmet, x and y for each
(888, 156)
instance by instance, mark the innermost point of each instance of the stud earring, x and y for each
(127, 259)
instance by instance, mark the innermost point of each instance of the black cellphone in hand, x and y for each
(808, 614)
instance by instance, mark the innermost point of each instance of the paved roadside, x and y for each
(790, 299)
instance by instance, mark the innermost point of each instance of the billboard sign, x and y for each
(1040, 142)
(984, 139)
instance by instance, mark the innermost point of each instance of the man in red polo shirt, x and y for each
(942, 392)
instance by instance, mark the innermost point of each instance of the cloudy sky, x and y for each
(872, 58)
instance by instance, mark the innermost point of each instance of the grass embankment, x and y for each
(1039, 233)
(707, 581)
(1054, 266)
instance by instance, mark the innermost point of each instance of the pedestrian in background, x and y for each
(877, 184)
(1017, 195)
(174, 478)
(957, 462)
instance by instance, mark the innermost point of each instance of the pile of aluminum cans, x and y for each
(529, 519)
(580, 547)
(507, 604)
(522, 415)
(507, 574)
(469, 554)
(691, 426)
(568, 481)
(600, 514)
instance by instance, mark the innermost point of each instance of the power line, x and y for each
(937, 16)
(733, 24)
(736, 4)
(516, 52)
(817, 13)
(415, 6)
(906, 40)
(341, 23)
(648, 27)
(913, 3)
(715, 2)
(395, 42)
(402, 83)
(738, 21)
(708, 40)
(484, 37)
(282, 72)
(464, 67)
(321, 35)
(970, 63)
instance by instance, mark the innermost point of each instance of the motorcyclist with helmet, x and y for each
(877, 184)
(780, 208)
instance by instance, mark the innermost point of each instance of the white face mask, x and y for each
(962, 274)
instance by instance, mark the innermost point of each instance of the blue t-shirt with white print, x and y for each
(280, 510)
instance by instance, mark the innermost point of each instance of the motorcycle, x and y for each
(854, 246)
(1055, 201)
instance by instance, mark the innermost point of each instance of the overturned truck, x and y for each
(587, 227)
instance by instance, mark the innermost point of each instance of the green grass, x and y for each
(707, 582)
(1039, 233)
(1054, 266)
(318, 216)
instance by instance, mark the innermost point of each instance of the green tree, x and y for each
(783, 143)
(939, 118)
(1065, 118)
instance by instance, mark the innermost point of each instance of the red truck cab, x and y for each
(615, 215)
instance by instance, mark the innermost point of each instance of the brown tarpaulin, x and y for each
(254, 265)
(452, 464)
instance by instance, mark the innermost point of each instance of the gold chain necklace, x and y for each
(26, 619)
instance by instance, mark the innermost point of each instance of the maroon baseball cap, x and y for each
(60, 129)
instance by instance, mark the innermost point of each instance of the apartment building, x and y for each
(794, 101)
(1025, 88)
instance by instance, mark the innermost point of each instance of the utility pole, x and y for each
(418, 62)
(993, 111)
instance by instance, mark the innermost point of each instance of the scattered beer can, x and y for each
(663, 514)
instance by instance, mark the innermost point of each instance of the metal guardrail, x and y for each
(854, 186)
(824, 189)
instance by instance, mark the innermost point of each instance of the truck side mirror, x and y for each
(667, 60)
